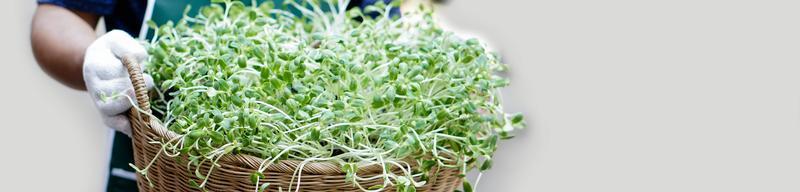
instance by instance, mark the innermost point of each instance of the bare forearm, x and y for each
(59, 38)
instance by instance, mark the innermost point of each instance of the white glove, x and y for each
(107, 80)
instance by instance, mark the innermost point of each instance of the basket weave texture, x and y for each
(234, 171)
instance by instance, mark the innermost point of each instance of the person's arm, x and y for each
(59, 38)
(66, 47)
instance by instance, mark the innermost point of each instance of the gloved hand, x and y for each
(107, 80)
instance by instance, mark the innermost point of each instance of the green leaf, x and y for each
(428, 164)
(517, 119)
(466, 186)
(198, 174)
(487, 164)
(375, 187)
(211, 92)
(390, 93)
(315, 134)
(354, 13)
(348, 167)
(338, 105)
(263, 187)
(255, 177)
(303, 114)
(194, 184)
(151, 24)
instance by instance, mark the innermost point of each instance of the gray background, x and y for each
(636, 95)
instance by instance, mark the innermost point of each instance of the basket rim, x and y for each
(253, 162)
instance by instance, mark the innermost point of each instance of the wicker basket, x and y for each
(233, 174)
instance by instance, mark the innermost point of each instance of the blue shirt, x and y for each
(127, 15)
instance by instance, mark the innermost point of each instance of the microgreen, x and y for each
(336, 86)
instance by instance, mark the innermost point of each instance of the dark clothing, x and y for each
(124, 15)
(127, 15)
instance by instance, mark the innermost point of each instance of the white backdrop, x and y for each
(620, 95)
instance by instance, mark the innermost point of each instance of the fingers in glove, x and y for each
(111, 98)
(119, 123)
(105, 66)
(110, 70)
(123, 44)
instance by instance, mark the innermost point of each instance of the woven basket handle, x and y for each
(139, 87)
